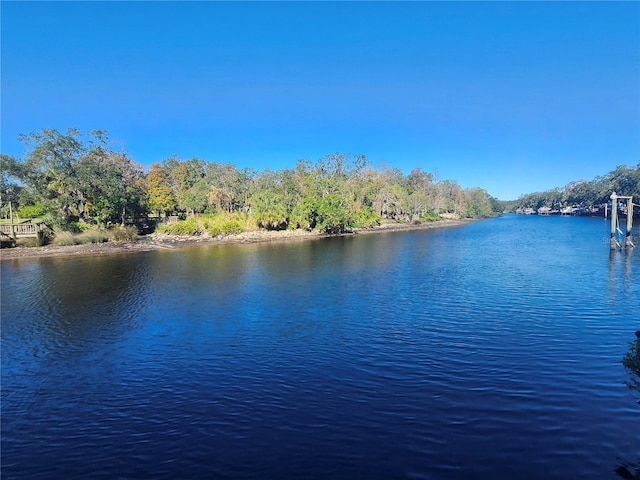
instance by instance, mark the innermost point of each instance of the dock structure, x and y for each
(21, 229)
(11, 232)
(615, 228)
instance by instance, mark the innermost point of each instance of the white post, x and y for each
(628, 243)
(614, 220)
(12, 229)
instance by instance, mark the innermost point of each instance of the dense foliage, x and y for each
(71, 182)
(68, 181)
(623, 180)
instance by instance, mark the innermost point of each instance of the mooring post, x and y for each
(12, 228)
(614, 220)
(627, 242)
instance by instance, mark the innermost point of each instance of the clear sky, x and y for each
(513, 97)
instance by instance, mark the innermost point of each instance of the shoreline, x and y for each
(155, 242)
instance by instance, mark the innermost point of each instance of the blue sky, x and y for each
(513, 97)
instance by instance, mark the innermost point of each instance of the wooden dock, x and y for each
(27, 229)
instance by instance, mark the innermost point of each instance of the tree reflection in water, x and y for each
(631, 362)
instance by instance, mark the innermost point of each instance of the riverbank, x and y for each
(156, 241)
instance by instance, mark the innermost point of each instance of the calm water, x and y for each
(491, 350)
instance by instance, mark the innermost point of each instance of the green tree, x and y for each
(228, 187)
(333, 216)
(623, 180)
(110, 184)
(194, 199)
(418, 181)
(9, 187)
(77, 180)
(273, 198)
(478, 203)
(189, 188)
(49, 172)
(269, 209)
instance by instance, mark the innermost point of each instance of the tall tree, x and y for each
(188, 187)
(49, 171)
(110, 184)
(160, 197)
(9, 186)
(78, 180)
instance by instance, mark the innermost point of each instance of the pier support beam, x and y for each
(627, 242)
(12, 229)
(614, 220)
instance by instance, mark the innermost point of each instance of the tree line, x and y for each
(67, 178)
(623, 180)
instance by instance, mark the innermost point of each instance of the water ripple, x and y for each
(486, 351)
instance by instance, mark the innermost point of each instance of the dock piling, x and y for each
(628, 243)
(614, 221)
(613, 242)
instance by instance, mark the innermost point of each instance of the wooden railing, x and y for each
(20, 229)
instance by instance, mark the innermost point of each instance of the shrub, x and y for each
(79, 227)
(229, 223)
(218, 224)
(95, 235)
(269, 210)
(65, 239)
(303, 215)
(247, 222)
(123, 234)
(226, 227)
(190, 226)
(29, 242)
(366, 218)
(31, 211)
(430, 217)
(333, 216)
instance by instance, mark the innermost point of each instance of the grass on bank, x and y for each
(220, 224)
(97, 235)
(214, 225)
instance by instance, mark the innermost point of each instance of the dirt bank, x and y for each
(169, 242)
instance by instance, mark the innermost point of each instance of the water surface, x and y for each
(491, 350)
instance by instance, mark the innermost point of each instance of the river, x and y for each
(490, 350)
